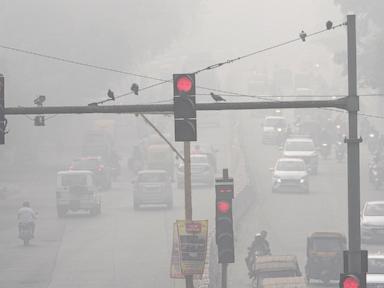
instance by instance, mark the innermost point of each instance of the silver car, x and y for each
(372, 222)
(152, 187)
(290, 175)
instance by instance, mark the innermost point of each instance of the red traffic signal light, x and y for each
(184, 84)
(350, 281)
(223, 207)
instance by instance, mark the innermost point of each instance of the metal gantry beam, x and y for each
(341, 103)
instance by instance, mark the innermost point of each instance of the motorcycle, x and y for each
(325, 150)
(376, 176)
(340, 151)
(373, 142)
(25, 232)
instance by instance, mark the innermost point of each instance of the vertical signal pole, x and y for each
(224, 266)
(188, 196)
(355, 260)
(187, 181)
(3, 122)
(184, 92)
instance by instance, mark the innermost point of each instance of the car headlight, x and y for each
(278, 180)
(302, 180)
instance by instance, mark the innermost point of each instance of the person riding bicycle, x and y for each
(259, 247)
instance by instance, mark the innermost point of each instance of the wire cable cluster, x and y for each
(210, 67)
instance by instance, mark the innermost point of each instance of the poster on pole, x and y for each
(193, 237)
(175, 257)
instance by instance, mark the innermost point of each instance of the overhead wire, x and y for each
(162, 81)
(75, 62)
(229, 61)
(211, 67)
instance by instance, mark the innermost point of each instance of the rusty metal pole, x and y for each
(188, 197)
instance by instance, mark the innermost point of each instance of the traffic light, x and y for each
(352, 280)
(3, 121)
(184, 101)
(224, 221)
(39, 120)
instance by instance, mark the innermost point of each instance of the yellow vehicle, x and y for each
(160, 157)
(325, 256)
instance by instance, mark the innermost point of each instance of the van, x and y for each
(76, 190)
(152, 187)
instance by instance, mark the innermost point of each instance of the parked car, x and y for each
(202, 172)
(274, 130)
(76, 191)
(372, 222)
(152, 187)
(304, 148)
(375, 275)
(102, 173)
(290, 175)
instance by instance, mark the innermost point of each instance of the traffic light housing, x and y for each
(353, 280)
(184, 101)
(39, 120)
(224, 220)
(3, 121)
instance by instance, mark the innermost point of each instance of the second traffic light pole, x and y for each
(188, 196)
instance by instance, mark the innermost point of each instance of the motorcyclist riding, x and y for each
(259, 247)
(26, 216)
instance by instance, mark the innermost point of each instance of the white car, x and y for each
(372, 222)
(302, 148)
(290, 174)
(375, 275)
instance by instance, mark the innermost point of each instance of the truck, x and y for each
(276, 266)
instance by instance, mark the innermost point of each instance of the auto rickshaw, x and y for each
(325, 256)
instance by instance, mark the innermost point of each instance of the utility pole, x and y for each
(355, 258)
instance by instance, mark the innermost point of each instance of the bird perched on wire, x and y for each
(110, 94)
(135, 88)
(39, 100)
(216, 97)
(303, 35)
